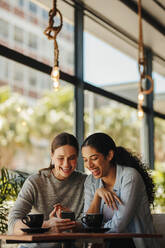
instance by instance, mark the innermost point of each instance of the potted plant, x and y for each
(10, 185)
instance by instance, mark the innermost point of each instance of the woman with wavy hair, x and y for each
(119, 187)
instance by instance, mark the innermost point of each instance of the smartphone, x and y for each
(68, 215)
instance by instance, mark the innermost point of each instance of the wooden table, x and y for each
(68, 238)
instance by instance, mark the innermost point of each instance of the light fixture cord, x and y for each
(54, 29)
(142, 62)
(55, 5)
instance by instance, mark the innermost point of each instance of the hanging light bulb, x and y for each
(51, 32)
(141, 97)
(55, 76)
(140, 114)
(140, 103)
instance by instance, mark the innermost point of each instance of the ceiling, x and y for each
(120, 17)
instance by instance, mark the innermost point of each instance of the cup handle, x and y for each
(83, 219)
(25, 220)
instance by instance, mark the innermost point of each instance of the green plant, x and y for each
(10, 185)
(159, 180)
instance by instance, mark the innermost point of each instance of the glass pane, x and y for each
(31, 114)
(18, 35)
(113, 118)
(4, 29)
(22, 24)
(159, 92)
(159, 174)
(107, 67)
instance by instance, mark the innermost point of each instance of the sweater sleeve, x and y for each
(22, 205)
(131, 193)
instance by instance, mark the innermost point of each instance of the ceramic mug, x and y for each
(92, 220)
(33, 220)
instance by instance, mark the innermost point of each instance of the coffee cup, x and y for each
(33, 220)
(92, 220)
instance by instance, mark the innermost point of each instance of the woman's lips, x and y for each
(95, 172)
(66, 170)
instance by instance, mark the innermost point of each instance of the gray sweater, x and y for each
(42, 191)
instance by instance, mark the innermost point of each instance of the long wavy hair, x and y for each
(62, 139)
(103, 143)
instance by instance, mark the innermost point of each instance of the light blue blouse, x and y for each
(134, 215)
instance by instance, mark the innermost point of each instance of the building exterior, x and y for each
(30, 41)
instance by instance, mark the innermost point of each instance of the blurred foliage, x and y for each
(159, 180)
(10, 185)
(118, 121)
(53, 113)
(20, 124)
(14, 129)
(5, 93)
(159, 140)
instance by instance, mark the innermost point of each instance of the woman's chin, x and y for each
(66, 175)
(97, 175)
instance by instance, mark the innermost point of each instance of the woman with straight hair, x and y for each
(119, 187)
(60, 186)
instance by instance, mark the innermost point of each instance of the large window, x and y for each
(31, 113)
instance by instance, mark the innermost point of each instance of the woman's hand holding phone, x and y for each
(59, 224)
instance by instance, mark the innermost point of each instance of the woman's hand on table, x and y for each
(109, 197)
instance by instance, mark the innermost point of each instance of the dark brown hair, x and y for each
(62, 139)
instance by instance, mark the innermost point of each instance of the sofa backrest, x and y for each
(159, 223)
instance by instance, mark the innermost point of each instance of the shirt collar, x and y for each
(119, 170)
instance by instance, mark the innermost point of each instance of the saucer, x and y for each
(35, 230)
(96, 229)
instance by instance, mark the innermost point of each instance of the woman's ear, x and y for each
(110, 155)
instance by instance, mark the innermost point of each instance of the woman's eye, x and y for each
(93, 158)
(72, 158)
(60, 159)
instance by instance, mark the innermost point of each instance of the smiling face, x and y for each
(64, 159)
(96, 162)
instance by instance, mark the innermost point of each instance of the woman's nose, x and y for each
(89, 164)
(66, 162)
